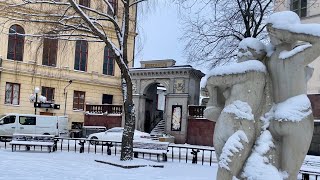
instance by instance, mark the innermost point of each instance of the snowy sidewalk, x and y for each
(68, 165)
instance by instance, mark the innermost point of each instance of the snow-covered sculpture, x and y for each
(236, 92)
(264, 124)
(292, 124)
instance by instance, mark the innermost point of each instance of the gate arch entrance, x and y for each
(160, 91)
(154, 106)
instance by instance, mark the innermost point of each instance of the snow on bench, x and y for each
(34, 140)
(150, 147)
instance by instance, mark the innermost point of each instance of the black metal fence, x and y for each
(176, 153)
(309, 175)
(180, 153)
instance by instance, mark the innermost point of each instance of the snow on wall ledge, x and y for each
(241, 110)
(293, 109)
(233, 145)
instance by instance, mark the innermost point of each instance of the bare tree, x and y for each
(213, 28)
(66, 19)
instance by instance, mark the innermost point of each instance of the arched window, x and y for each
(16, 43)
(108, 61)
(81, 55)
(50, 49)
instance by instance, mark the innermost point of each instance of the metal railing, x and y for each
(176, 152)
(306, 175)
(196, 111)
(180, 153)
(104, 108)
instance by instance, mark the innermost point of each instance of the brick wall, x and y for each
(315, 103)
(200, 132)
(102, 120)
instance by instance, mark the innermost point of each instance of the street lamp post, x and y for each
(36, 91)
(65, 97)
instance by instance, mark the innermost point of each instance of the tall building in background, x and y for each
(51, 64)
(309, 12)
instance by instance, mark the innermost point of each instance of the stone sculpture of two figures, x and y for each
(264, 122)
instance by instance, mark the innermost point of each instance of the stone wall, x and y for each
(102, 120)
(200, 132)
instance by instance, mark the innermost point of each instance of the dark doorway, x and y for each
(154, 106)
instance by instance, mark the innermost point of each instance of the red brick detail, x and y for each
(315, 103)
(200, 132)
(102, 120)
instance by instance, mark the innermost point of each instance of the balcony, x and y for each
(196, 111)
(109, 109)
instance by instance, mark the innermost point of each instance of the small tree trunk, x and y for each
(129, 125)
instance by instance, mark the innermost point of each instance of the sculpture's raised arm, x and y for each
(227, 80)
(214, 105)
(292, 32)
(290, 36)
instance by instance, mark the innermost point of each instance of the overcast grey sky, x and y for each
(159, 33)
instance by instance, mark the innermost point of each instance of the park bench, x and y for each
(151, 148)
(29, 140)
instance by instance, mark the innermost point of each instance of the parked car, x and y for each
(85, 131)
(115, 134)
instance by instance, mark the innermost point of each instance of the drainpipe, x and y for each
(65, 97)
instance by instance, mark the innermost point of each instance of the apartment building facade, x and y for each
(71, 73)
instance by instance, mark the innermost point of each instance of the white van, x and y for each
(33, 124)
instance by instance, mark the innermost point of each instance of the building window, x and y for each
(50, 49)
(80, 62)
(16, 43)
(48, 92)
(12, 93)
(299, 7)
(107, 99)
(113, 3)
(84, 3)
(108, 61)
(78, 100)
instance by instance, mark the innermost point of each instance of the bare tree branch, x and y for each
(213, 31)
(70, 21)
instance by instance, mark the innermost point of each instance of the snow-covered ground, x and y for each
(68, 165)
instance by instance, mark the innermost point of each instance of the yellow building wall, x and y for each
(30, 73)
